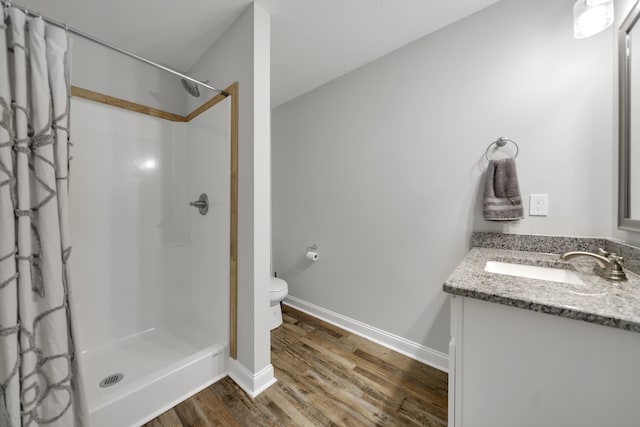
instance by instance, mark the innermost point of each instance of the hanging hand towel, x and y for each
(502, 201)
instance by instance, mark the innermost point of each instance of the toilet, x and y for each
(278, 290)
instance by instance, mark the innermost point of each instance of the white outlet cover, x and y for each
(538, 204)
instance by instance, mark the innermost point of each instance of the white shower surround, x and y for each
(151, 275)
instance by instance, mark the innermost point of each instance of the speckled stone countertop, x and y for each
(600, 301)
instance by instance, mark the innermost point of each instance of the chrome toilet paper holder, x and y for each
(312, 253)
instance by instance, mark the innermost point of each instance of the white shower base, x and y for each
(160, 370)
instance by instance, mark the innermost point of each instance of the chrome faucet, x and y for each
(607, 263)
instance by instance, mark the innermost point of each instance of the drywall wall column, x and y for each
(387, 180)
(242, 54)
(262, 184)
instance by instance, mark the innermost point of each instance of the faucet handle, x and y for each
(614, 270)
(612, 256)
(615, 257)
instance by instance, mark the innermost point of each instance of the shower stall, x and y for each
(153, 221)
(150, 274)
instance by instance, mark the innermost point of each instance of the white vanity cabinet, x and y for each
(514, 367)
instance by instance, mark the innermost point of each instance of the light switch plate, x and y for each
(538, 204)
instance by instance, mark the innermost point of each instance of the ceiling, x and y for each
(312, 41)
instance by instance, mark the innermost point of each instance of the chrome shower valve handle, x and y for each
(202, 204)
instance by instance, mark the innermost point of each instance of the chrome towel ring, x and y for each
(501, 142)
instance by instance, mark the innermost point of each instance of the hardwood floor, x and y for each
(326, 377)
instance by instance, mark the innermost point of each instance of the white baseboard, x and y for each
(252, 384)
(404, 346)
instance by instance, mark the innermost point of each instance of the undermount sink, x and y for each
(550, 274)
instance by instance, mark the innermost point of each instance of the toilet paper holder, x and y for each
(312, 253)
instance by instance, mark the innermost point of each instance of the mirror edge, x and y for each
(624, 221)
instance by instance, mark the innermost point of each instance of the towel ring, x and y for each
(501, 142)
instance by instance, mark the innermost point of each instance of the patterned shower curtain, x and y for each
(37, 367)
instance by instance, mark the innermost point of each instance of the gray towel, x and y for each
(502, 201)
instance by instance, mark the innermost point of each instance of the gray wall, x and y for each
(383, 167)
(103, 70)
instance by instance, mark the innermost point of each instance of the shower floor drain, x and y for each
(111, 380)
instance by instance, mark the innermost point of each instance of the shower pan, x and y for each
(150, 275)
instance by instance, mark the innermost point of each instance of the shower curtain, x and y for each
(37, 366)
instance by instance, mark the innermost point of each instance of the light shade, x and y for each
(591, 16)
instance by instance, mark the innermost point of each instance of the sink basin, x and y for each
(534, 272)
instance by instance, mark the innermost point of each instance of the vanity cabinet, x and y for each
(514, 367)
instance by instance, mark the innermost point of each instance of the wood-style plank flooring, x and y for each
(326, 377)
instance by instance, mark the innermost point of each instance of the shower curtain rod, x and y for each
(9, 3)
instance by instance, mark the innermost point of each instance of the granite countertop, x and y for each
(600, 301)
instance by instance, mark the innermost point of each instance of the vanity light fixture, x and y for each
(591, 16)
